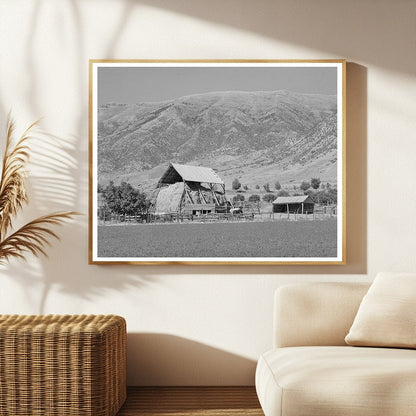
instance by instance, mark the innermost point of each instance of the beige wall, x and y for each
(205, 325)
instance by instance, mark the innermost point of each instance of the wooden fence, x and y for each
(320, 212)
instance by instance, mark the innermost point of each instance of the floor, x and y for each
(187, 401)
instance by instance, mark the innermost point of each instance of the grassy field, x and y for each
(240, 239)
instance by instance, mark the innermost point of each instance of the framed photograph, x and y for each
(208, 162)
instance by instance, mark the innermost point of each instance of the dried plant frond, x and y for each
(33, 237)
(12, 182)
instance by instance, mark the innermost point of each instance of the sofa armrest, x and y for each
(315, 313)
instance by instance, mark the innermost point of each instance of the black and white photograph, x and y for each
(217, 162)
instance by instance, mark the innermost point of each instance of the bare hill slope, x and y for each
(251, 135)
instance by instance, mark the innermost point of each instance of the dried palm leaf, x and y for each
(12, 182)
(33, 237)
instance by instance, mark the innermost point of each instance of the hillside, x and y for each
(256, 136)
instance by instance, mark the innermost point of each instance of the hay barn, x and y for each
(294, 204)
(185, 189)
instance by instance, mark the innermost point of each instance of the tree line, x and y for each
(319, 192)
(314, 183)
(124, 199)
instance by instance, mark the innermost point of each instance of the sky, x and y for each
(130, 85)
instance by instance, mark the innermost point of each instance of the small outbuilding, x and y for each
(302, 204)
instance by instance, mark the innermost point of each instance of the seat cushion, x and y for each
(341, 381)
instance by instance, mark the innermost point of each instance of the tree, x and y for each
(305, 186)
(125, 200)
(257, 186)
(278, 186)
(266, 187)
(100, 188)
(236, 184)
(324, 197)
(283, 193)
(254, 198)
(332, 195)
(238, 198)
(315, 182)
(245, 187)
(269, 197)
(321, 197)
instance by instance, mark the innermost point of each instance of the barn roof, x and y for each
(293, 199)
(177, 172)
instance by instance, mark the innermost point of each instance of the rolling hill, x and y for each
(256, 136)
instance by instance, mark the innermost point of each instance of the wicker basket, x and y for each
(54, 365)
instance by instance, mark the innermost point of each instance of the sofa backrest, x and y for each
(309, 314)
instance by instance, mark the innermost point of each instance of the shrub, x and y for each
(305, 185)
(282, 192)
(236, 184)
(269, 197)
(315, 182)
(238, 198)
(254, 198)
(124, 199)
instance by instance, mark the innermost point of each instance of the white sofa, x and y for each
(311, 371)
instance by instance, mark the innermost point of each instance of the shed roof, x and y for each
(189, 173)
(293, 199)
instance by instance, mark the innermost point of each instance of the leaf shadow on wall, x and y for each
(60, 182)
(54, 185)
(335, 27)
(164, 359)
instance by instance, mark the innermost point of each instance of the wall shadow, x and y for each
(53, 187)
(339, 28)
(169, 360)
(58, 180)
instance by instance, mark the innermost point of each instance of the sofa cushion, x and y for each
(387, 314)
(315, 314)
(342, 381)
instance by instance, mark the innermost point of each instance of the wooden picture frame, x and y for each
(217, 162)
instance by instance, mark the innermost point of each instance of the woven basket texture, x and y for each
(56, 365)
